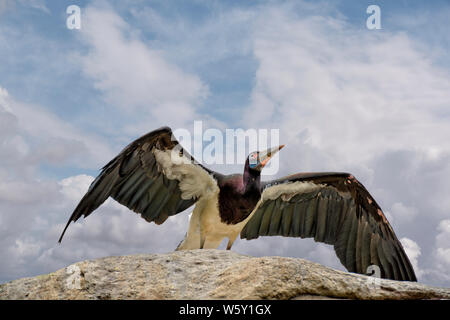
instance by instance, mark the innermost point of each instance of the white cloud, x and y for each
(134, 77)
(350, 92)
(443, 258)
(75, 187)
(435, 271)
(34, 4)
(401, 214)
(443, 246)
(30, 137)
(33, 135)
(26, 248)
(413, 252)
(443, 238)
(200, 44)
(325, 254)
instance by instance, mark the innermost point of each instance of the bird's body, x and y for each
(156, 177)
(223, 212)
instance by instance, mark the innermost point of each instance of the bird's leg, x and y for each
(193, 239)
(212, 242)
(202, 240)
(231, 241)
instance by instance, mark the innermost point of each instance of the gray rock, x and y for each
(209, 274)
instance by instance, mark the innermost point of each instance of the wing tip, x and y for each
(74, 217)
(64, 231)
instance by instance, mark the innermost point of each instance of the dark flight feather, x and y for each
(341, 212)
(134, 180)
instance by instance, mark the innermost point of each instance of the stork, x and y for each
(155, 177)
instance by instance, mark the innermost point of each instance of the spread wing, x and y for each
(336, 209)
(153, 176)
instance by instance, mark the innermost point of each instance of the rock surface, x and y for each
(209, 274)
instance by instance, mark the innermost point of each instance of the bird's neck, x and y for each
(251, 180)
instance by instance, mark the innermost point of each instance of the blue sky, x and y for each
(41, 57)
(372, 102)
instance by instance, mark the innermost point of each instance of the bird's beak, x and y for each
(265, 156)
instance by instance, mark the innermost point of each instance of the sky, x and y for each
(372, 102)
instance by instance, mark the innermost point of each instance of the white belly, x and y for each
(206, 226)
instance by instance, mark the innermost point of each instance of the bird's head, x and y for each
(258, 159)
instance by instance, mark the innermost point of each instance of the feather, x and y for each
(135, 202)
(265, 221)
(322, 208)
(359, 244)
(251, 229)
(365, 246)
(350, 252)
(129, 186)
(286, 220)
(310, 218)
(275, 219)
(298, 221)
(333, 212)
(383, 260)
